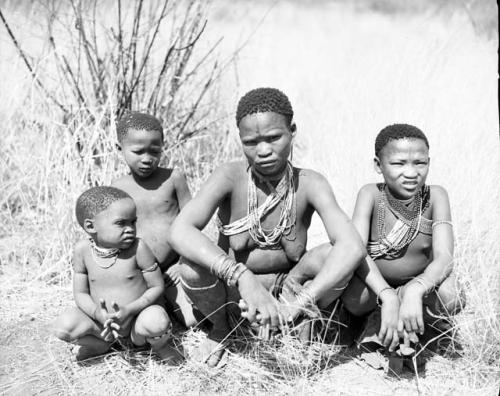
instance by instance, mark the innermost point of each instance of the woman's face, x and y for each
(266, 139)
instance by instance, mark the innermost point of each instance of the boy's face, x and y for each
(142, 151)
(404, 163)
(115, 226)
(266, 139)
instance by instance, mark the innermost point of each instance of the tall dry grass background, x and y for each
(349, 68)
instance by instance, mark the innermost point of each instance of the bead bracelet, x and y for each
(379, 303)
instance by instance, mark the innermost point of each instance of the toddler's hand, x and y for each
(172, 275)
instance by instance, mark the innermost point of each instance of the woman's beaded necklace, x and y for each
(103, 253)
(285, 192)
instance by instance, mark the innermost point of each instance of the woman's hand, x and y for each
(261, 307)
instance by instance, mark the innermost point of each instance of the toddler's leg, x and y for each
(153, 325)
(74, 326)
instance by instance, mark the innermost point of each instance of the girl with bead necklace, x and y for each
(264, 205)
(406, 226)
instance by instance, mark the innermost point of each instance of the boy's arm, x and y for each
(442, 244)
(181, 188)
(152, 275)
(347, 248)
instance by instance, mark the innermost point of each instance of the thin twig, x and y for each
(26, 62)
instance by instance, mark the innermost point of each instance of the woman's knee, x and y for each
(194, 275)
(312, 262)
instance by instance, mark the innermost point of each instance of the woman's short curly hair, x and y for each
(261, 100)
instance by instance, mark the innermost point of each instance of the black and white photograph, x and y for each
(249, 197)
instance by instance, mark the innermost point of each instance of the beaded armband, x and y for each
(150, 269)
(438, 222)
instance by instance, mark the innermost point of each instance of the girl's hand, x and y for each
(410, 311)
(389, 311)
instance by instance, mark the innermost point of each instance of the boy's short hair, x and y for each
(261, 100)
(136, 120)
(395, 132)
(95, 200)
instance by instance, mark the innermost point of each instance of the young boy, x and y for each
(159, 194)
(406, 226)
(116, 281)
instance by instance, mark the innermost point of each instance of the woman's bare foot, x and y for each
(169, 354)
(212, 349)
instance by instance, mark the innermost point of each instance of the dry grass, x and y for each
(348, 74)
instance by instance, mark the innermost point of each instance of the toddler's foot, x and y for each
(81, 353)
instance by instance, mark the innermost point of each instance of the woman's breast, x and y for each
(266, 260)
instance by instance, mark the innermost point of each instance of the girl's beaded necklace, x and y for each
(103, 253)
(409, 211)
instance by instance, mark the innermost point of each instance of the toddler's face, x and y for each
(404, 163)
(142, 151)
(115, 226)
(266, 139)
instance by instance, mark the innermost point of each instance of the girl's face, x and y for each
(404, 163)
(266, 139)
(115, 226)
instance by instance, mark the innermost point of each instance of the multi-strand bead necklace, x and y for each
(103, 253)
(409, 212)
(284, 192)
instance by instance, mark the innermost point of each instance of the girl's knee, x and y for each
(357, 298)
(451, 298)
